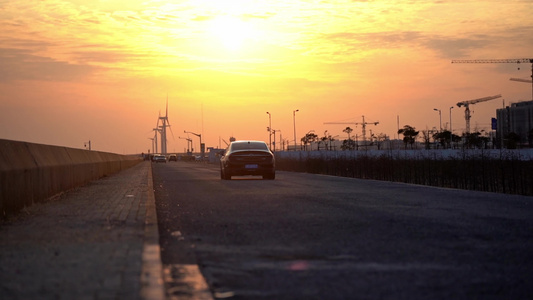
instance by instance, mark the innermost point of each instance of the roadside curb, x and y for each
(152, 285)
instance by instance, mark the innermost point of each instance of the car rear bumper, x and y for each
(242, 170)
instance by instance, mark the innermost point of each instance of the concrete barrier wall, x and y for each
(31, 173)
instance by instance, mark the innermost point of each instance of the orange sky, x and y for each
(74, 71)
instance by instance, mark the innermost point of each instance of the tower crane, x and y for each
(499, 61)
(363, 125)
(521, 80)
(467, 103)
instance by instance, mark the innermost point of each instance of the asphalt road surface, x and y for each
(305, 236)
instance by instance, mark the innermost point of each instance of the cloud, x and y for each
(264, 15)
(203, 18)
(451, 48)
(342, 46)
(19, 64)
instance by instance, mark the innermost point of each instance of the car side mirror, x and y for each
(221, 152)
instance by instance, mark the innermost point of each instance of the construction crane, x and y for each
(521, 80)
(499, 61)
(363, 125)
(467, 103)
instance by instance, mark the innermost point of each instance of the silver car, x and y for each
(159, 158)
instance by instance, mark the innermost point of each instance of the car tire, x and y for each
(223, 175)
(227, 177)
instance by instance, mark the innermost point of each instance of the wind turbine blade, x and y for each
(171, 131)
(169, 126)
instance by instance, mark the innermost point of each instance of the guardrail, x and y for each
(31, 173)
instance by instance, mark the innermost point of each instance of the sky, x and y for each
(73, 71)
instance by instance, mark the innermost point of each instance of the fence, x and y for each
(491, 171)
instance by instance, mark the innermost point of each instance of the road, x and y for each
(305, 236)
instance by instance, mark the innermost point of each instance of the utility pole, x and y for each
(274, 133)
(294, 123)
(269, 129)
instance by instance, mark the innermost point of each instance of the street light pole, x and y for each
(451, 107)
(189, 143)
(451, 129)
(202, 149)
(440, 118)
(294, 123)
(269, 129)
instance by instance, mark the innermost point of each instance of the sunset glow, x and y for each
(231, 31)
(75, 70)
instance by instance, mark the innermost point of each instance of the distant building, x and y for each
(517, 118)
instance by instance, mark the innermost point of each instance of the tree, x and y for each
(309, 138)
(348, 145)
(426, 136)
(475, 140)
(380, 139)
(511, 140)
(455, 140)
(348, 130)
(444, 138)
(325, 139)
(409, 135)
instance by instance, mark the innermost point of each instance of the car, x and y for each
(159, 158)
(243, 158)
(172, 157)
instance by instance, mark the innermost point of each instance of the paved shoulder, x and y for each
(89, 243)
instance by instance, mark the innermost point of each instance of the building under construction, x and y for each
(517, 118)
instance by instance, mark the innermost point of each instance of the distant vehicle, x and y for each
(159, 158)
(173, 157)
(247, 158)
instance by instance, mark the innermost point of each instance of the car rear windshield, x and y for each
(249, 146)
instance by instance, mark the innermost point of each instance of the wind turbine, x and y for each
(152, 139)
(156, 130)
(165, 124)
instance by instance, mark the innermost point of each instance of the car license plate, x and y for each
(251, 166)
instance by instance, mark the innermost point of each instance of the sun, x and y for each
(232, 32)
